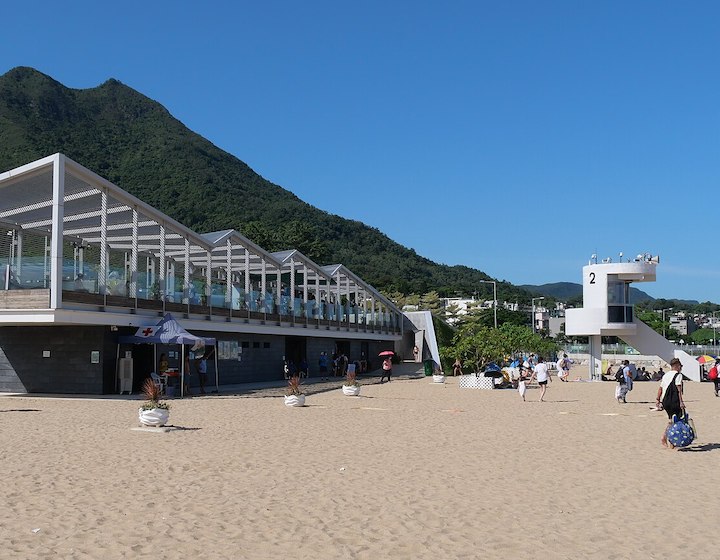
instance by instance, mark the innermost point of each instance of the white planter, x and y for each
(438, 379)
(295, 400)
(154, 417)
(351, 390)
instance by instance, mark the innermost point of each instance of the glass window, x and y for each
(616, 314)
(617, 292)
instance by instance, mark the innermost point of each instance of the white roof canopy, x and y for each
(95, 212)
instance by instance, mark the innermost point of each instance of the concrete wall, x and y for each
(415, 322)
(67, 370)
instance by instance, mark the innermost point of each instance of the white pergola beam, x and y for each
(47, 203)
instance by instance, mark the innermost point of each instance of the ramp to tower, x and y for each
(647, 341)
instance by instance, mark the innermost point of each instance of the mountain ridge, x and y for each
(570, 290)
(136, 143)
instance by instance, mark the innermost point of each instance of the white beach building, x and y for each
(82, 262)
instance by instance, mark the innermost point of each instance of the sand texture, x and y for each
(409, 469)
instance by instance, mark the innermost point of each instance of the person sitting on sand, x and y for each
(457, 367)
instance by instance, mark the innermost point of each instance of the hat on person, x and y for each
(675, 362)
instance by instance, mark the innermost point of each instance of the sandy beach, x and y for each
(409, 469)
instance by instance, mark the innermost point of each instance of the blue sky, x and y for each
(514, 137)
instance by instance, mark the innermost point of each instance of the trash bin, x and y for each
(428, 365)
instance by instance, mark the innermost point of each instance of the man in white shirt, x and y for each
(676, 405)
(540, 371)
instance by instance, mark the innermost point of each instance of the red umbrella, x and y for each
(387, 353)
(706, 358)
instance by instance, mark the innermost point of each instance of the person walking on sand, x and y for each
(625, 382)
(714, 376)
(522, 387)
(387, 369)
(563, 367)
(540, 372)
(670, 394)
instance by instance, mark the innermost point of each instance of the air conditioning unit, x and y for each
(125, 375)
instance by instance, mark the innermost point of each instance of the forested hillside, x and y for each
(134, 142)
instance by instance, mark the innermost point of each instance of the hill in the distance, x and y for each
(565, 291)
(137, 144)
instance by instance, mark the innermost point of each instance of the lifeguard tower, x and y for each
(607, 312)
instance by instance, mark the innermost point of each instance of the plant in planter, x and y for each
(294, 395)
(351, 386)
(153, 412)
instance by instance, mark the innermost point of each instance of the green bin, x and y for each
(428, 366)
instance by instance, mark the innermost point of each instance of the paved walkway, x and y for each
(406, 370)
(311, 385)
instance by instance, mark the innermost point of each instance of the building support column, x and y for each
(19, 253)
(56, 245)
(263, 283)
(317, 295)
(228, 274)
(247, 280)
(186, 281)
(134, 255)
(305, 291)
(595, 373)
(162, 269)
(208, 279)
(103, 272)
(278, 291)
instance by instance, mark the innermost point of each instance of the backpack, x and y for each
(671, 399)
(620, 376)
(713, 374)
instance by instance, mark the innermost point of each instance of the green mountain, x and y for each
(134, 142)
(565, 291)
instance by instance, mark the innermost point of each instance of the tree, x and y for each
(486, 317)
(654, 320)
(452, 313)
(431, 302)
(479, 345)
(703, 336)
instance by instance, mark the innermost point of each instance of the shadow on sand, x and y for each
(700, 448)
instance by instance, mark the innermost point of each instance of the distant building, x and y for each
(683, 324)
(462, 306)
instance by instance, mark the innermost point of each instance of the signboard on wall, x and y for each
(228, 350)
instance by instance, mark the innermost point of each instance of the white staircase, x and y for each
(647, 341)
